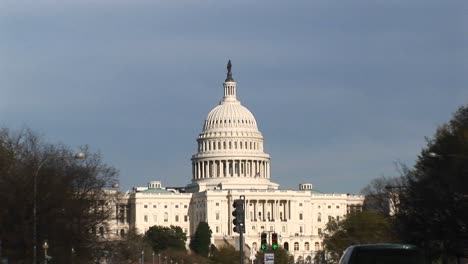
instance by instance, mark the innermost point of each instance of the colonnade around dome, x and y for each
(250, 168)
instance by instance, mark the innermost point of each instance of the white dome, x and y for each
(230, 147)
(229, 116)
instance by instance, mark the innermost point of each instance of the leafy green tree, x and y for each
(433, 206)
(282, 256)
(357, 228)
(68, 201)
(201, 240)
(161, 238)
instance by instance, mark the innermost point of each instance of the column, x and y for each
(222, 166)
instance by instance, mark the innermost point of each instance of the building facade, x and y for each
(230, 161)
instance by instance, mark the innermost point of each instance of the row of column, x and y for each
(230, 168)
(268, 210)
(226, 145)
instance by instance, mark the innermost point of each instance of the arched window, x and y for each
(224, 145)
(122, 232)
(101, 231)
(286, 245)
(254, 246)
(319, 217)
(306, 246)
(316, 246)
(296, 246)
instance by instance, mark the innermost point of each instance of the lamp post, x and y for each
(79, 155)
(45, 246)
(72, 254)
(142, 257)
(437, 155)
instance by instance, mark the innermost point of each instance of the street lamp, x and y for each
(437, 155)
(79, 155)
(45, 246)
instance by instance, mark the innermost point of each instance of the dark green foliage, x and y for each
(357, 228)
(282, 256)
(225, 255)
(68, 194)
(201, 240)
(433, 212)
(161, 238)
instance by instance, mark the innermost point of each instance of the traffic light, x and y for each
(274, 241)
(263, 241)
(239, 216)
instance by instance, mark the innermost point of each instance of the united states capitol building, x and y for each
(231, 162)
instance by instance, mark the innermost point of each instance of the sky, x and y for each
(341, 90)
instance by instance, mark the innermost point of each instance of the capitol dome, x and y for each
(230, 147)
(229, 116)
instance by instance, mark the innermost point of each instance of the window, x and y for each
(272, 228)
(329, 207)
(217, 204)
(145, 206)
(301, 229)
(185, 218)
(316, 246)
(254, 246)
(296, 246)
(319, 217)
(177, 218)
(330, 218)
(176, 206)
(217, 229)
(300, 216)
(337, 207)
(253, 227)
(300, 204)
(337, 218)
(145, 218)
(185, 206)
(217, 215)
(283, 229)
(165, 206)
(101, 231)
(166, 217)
(319, 231)
(154, 206)
(306, 246)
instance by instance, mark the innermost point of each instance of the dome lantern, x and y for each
(229, 86)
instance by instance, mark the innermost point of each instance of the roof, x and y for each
(156, 190)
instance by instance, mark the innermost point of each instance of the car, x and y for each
(382, 254)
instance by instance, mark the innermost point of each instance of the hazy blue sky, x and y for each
(340, 89)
